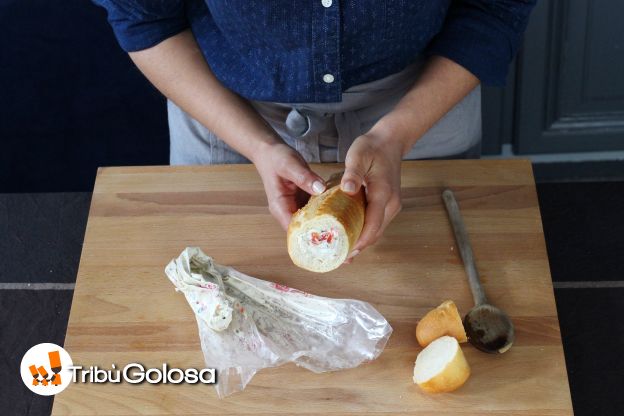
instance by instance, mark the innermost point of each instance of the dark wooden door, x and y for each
(566, 93)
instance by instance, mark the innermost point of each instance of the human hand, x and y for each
(375, 163)
(287, 179)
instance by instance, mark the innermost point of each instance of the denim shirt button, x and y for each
(328, 78)
(326, 3)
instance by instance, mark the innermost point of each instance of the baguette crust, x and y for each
(443, 320)
(346, 213)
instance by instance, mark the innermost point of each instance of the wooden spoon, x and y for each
(488, 328)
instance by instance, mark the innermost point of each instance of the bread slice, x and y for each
(441, 366)
(322, 234)
(443, 320)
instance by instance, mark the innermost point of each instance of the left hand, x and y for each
(374, 162)
(287, 179)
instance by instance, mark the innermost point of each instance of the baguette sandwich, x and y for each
(322, 233)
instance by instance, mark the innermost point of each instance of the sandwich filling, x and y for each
(317, 238)
(321, 245)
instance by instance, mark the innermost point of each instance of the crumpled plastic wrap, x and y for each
(246, 324)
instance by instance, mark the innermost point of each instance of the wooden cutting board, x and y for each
(125, 310)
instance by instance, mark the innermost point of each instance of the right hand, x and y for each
(285, 175)
(374, 162)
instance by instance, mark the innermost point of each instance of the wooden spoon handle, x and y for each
(465, 249)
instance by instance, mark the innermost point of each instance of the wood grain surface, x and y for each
(125, 310)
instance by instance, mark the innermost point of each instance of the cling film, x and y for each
(247, 324)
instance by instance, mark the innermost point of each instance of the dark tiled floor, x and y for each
(29, 317)
(584, 229)
(590, 171)
(583, 226)
(593, 332)
(42, 236)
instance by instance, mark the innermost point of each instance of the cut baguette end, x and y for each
(441, 367)
(441, 321)
(324, 257)
(332, 213)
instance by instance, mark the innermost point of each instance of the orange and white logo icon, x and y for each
(45, 369)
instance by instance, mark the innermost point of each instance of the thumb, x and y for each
(301, 175)
(353, 177)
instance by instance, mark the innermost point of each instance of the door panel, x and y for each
(570, 89)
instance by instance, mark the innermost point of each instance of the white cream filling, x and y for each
(320, 245)
(220, 317)
(210, 303)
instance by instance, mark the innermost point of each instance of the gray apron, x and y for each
(323, 132)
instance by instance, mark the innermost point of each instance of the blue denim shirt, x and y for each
(311, 51)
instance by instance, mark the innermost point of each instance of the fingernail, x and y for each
(353, 254)
(348, 186)
(318, 187)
